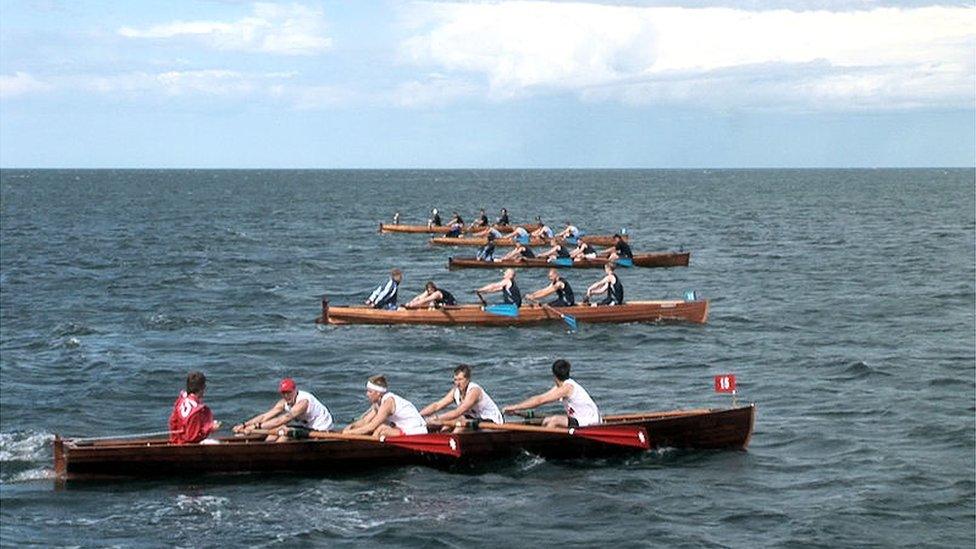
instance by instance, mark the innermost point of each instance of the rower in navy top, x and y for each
(507, 286)
(583, 251)
(385, 295)
(557, 285)
(488, 252)
(620, 249)
(432, 297)
(503, 218)
(520, 252)
(557, 250)
(482, 219)
(610, 284)
(456, 218)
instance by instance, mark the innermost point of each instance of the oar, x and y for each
(631, 436)
(502, 309)
(568, 319)
(431, 443)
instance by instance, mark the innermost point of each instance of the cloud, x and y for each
(20, 83)
(212, 82)
(879, 58)
(277, 29)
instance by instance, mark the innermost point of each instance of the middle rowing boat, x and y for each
(444, 229)
(660, 259)
(729, 429)
(632, 311)
(596, 240)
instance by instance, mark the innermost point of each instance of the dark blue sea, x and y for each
(842, 299)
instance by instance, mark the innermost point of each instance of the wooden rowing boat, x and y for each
(74, 459)
(659, 259)
(632, 311)
(443, 229)
(596, 240)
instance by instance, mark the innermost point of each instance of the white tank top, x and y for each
(317, 416)
(405, 417)
(484, 408)
(579, 405)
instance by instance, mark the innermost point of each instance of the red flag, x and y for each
(725, 383)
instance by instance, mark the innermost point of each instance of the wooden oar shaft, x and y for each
(650, 415)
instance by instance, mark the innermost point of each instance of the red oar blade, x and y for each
(632, 436)
(434, 443)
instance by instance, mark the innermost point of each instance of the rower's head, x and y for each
(482, 211)
(376, 387)
(610, 267)
(433, 211)
(462, 376)
(617, 237)
(560, 370)
(553, 275)
(509, 274)
(288, 390)
(504, 211)
(196, 383)
(396, 274)
(430, 286)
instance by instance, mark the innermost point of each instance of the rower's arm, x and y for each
(439, 405)
(599, 286)
(274, 411)
(491, 288)
(539, 294)
(376, 420)
(470, 399)
(538, 400)
(297, 410)
(362, 420)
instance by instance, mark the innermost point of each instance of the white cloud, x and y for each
(278, 29)
(20, 83)
(878, 58)
(212, 82)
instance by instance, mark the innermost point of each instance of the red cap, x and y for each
(287, 385)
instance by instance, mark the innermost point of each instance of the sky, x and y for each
(503, 84)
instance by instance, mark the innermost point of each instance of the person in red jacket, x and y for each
(191, 420)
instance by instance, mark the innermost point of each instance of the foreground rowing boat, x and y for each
(660, 259)
(728, 429)
(632, 311)
(444, 229)
(596, 240)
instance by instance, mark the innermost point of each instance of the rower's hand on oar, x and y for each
(217, 425)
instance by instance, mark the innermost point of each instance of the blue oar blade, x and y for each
(625, 262)
(563, 262)
(504, 309)
(570, 321)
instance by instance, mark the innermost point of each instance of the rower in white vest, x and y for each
(471, 401)
(389, 414)
(581, 411)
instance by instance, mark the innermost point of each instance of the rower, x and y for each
(470, 401)
(385, 295)
(396, 218)
(610, 284)
(620, 249)
(482, 219)
(581, 411)
(520, 252)
(488, 232)
(435, 219)
(544, 231)
(191, 420)
(432, 297)
(519, 234)
(558, 250)
(454, 229)
(295, 410)
(507, 286)
(557, 285)
(455, 219)
(571, 232)
(503, 218)
(488, 252)
(388, 415)
(583, 250)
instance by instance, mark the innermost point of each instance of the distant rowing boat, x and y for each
(661, 259)
(704, 429)
(444, 229)
(596, 240)
(632, 311)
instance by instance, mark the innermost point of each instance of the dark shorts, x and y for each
(559, 303)
(573, 422)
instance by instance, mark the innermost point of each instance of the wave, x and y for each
(29, 446)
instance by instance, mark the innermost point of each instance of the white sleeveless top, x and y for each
(484, 408)
(317, 416)
(405, 417)
(579, 405)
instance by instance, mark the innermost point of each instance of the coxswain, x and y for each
(619, 249)
(388, 415)
(507, 286)
(581, 411)
(610, 284)
(503, 218)
(520, 252)
(470, 401)
(557, 250)
(571, 232)
(544, 231)
(385, 295)
(294, 410)
(396, 218)
(487, 253)
(583, 250)
(557, 285)
(432, 297)
(192, 421)
(435, 219)
(482, 219)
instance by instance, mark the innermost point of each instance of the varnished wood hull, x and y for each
(596, 240)
(729, 429)
(634, 311)
(424, 229)
(662, 259)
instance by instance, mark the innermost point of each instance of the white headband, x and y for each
(374, 387)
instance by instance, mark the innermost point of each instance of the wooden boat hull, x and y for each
(596, 240)
(660, 259)
(729, 429)
(424, 229)
(634, 311)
